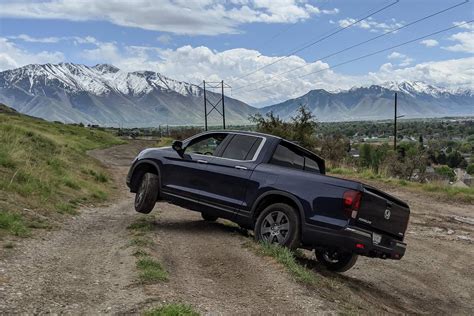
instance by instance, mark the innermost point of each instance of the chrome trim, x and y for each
(401, 245)
(202, 161)
(359, 232)
(241, 167)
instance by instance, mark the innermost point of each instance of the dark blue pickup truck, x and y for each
(276, 188)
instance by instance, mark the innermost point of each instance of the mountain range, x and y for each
(106, 95)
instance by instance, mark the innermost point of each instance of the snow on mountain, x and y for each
(105, 94)
(415, 99)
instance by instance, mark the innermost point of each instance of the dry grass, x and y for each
(44, 168)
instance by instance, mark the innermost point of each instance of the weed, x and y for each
(140, 242)
(141, 253)
(66, 208)
(172, 310)
(286, 257)
(13, 223)
(143, 224)
(151, 270)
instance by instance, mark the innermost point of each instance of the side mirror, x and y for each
(178, 147)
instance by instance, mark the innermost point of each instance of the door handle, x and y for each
(241, 167)
(202, 161)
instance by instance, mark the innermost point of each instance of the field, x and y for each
(45, 171)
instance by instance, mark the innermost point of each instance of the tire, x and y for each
(209, 218)
(336, 261)
(278, 223)
(147, 193)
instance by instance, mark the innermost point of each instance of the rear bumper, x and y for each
(354, 240)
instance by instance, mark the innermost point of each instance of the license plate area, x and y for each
(376, 238)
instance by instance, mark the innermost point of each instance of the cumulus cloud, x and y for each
(11, 56)
(403, 59)
(193, 64)
(372, 25)
(465, 40)
(203, 17)
(429, 42)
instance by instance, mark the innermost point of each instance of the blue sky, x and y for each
(214, 40)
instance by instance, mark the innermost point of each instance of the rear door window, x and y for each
(242, 147)
(291, 157)
(286, 157)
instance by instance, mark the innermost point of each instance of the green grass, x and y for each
(151, 270)
(42, 163)
(13, 223)
(143, 224)
(172, 310)
(287, 258)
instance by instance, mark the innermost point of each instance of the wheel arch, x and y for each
(275, 196)
(140, 168)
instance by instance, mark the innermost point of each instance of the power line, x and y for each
(358, 44)
(318, 40)
(367, 55)
(287, 28)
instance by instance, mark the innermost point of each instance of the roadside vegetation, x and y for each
(172, 310)
(45, 171)
(149, 269)
(308, 272)
(422, 164)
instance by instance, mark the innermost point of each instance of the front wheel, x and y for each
(336, 261)
(147, 193)
(279, 224)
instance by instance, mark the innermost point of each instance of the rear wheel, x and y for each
(209, 218)
(279, 224)
(147, 193)
(336, 261)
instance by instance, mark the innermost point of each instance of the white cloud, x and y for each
(371, 25)
(465, 42)
(396, 55)
(11, 56)
(193, 64)
(203, 17)
(430, 42)
(30, 39)
(164, 39)
(403, 59)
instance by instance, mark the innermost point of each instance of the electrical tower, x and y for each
(214, 105)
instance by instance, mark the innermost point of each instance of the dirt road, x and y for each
(87, 267)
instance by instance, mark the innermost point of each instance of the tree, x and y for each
(335, 147)
(470, 169)
(454, 159)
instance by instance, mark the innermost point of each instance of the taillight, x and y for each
(351, 200)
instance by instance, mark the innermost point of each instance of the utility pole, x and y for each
(395, 125)
(214, 106)
(205, 105)
(223, 108)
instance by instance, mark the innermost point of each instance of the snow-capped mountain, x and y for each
(106, 95)
(415, 100)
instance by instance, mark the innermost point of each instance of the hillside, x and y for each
(44, 170)
(106, 95)
(415, 100)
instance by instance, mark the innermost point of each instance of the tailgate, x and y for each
(383, 213)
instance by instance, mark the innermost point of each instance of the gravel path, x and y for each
(87, 267)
